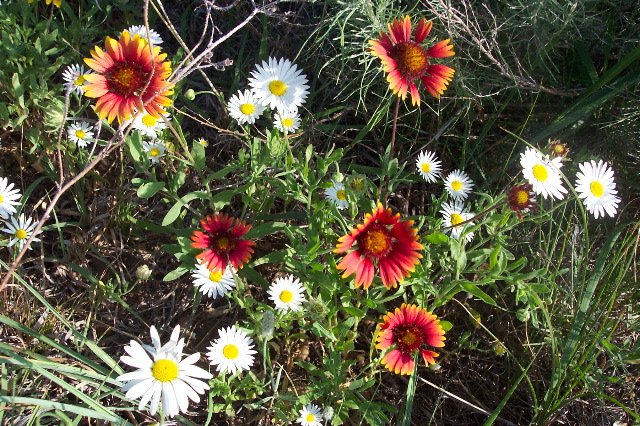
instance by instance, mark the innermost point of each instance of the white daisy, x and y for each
(287, 293)
(80, 133)
(148, 125)
(287, 120)
(279, 84)
(596, 187)
(164, 375)
(141, 30)
(155, 150)
(20, 230)
(202, 142)
(213, 283)
(429, 166)
(9, 195)
(458, 184)
(74, 79)
(244, 107)
(543, 173)
(337, 194)
(232, 351)
(454, 215)
(310, 415)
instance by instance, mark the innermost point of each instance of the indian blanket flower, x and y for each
(408, 329)
(429, 166)
(279, 84)
(163, 375)
(406, 61)
(454, 215)
(287, 293)
(521, 198)
(232, 351)
(222, 243)
(244, 107)
(80, 133)
(543, 173)
(337, 194)
(310, 415)
(596, 187)
(129, 77)
(20, 229)
(73, 77)
(214, 283)
(9, 196)
(382, 242)
(458, 184)
(558, 149)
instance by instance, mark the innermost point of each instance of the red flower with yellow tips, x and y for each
(129, 77)
(408, 329)
(382, 241)
(221, 240)
(406, 60)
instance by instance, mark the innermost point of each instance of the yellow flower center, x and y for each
(596, 189)
(80, 134)
(278, 87)
(456, 219)
(126, 80)
(80, 80)
(164, 370)
(456, 185)
(215, 276)
(287, 122)
(230, 351)
(540, 172)
(357, 184)
(203, 142)
(376, 241)
(522, 197)
(411, 58)
(154, 152)
(149, 120)
(1, 198)
(426, 167)
(286, 296)
(341, 195)
(247, 109)
(408, 338)
(558, 148)
(222, 243)
(310, 417)
(21, 234)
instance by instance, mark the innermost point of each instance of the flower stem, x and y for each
(385, 188)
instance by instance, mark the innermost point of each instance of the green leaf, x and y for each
(437, 238)
(176, 273)
(320, 331)
(149, 189)
(173, 213)
(198, 155)
(474, 290)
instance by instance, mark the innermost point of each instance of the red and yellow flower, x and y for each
(521, 198)
(129, 77)
(382, 241)
(406, 330)
(222, 242)
(406, 60)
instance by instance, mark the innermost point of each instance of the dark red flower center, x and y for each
(408, 338)
(411, 58)
(375, 241)
(222, 243)
(127, 79)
